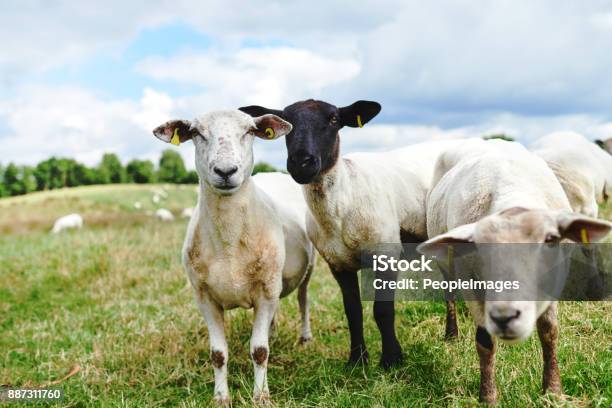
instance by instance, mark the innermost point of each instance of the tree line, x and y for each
(63, 172)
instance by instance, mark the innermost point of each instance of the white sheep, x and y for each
(156, 198)
(137, 205)
(246, 244)
(357, 201)
(71, 221)
(164, 215)
(187, 212)
(583, 169)
(162, 193)
(502, 197)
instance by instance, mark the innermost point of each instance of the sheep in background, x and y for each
(583, 169)
(506, 197)
(187, 212)
(137, 205)
(156, 198)
(71, 221)
(164, 215)
(246, 243)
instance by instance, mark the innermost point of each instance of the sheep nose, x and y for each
(503, 321)
(305, 160)
(225, 172)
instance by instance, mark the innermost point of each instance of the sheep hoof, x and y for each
(451, 336)
(391, 360)
(358, 356)
(262, 399)
(304, 339)
(223, 401)
(490, 400)
(452, 332)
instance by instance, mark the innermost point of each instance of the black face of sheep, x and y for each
(314, 144)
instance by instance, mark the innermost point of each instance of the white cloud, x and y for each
(269, 76)
(72, 122)
(41, 35)
(43, 121)
(440, 69)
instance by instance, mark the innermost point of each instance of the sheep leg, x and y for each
(451, 332)
(264, 313)
(213, 315)
(485, 345)
(349, 286)
(548, 331)
(305, 332)
(384, 314)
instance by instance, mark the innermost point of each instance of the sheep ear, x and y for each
(271, 127)
(175, 131)
(600, 143)
(359, 113)
(580, 228)
(439, 246)
(255, 111)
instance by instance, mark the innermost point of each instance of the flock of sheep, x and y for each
(75, 221)
(251, 240)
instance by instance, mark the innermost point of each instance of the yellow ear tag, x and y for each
(175, 139)
(359, 121)
(584, 236)
(270, 133)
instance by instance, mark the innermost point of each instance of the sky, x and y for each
(78, 79)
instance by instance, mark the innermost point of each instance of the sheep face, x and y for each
(513, 320)
(314, 144)
(223, 144)
(224, 150)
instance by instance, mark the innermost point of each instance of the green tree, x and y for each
(3, 191)
(263, 167)
(501, 136)
(110, 170)
(192, 177)
(171, 167)
(140, 171)
(42, 173)
(12, 184)
(82, 175)
(28, 181)
(61, 172)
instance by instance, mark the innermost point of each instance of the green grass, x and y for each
(113, 299)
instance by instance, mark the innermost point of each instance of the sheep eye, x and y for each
(333, 121)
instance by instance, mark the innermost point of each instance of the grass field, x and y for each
(113, 299)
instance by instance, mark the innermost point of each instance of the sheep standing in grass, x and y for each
(164, 215)
(187, 212)
(355, 202)
(246, 243)
(71, 221)
(496, 197)
(583, 169)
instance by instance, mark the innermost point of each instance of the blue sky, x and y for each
(78, 80)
